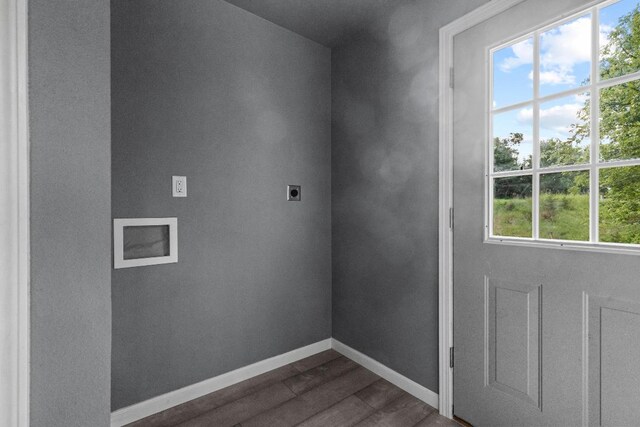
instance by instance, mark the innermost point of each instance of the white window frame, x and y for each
(14, 216)
(118, 242)
(594, 164)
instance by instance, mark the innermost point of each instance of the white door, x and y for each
(547, 216)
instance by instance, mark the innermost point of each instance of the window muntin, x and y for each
(564, 159)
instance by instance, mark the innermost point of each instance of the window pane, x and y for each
(619, 39)
(512, 206)
(565, 56)
(564, 206)
(620, 122)
(512, 140)
(620, 205)
(512, 74)
(565, 135)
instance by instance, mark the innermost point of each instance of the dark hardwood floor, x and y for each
(326, 389)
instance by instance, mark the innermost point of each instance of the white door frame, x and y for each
(445, 298)
(14, 216)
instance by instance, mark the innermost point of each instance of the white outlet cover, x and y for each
(179, 186)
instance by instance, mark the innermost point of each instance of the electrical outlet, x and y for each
(179, 185)
(293, 193)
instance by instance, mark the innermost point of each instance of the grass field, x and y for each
(564, 217)
(512, 217)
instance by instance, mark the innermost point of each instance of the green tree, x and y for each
(515, 187)
(620, 56)
(506, 155)
(620, 133)
(575, 183)
(620, 104)
(506, 152)
(555, 152)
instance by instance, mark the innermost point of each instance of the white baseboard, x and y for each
(141, 410)
(388, 374)
(157, 404)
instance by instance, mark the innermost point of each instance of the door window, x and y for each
(564, 158)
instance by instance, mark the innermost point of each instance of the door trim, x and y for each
(445, 287)
(14, 216)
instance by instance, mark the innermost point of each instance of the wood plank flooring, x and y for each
(324, 390)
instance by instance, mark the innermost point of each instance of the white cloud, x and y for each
(559, 118)
(604, 34)
(562, 76)
(561, 49)
(523, 55)
(525, 116)
(565, 46)
(556, 120)
(605, 30)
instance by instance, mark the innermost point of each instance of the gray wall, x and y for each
(385, 187)
(242, 108)
(70, 205)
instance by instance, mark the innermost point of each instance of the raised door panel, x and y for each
(613, 362)
(513, 332)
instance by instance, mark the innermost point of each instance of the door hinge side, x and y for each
(451, 357)
(451, 77)
(451, 218)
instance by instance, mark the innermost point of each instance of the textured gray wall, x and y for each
(385, 187)
(242, 108)
(70, 206)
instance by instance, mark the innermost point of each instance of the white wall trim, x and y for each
(14, 216)
(445, 303)
(119, 225)
(388, 374)
(157, 404)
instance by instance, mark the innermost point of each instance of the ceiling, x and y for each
(324, 21)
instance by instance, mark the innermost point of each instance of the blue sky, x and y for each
(565, 63)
